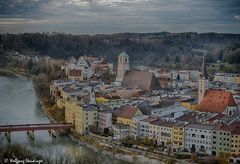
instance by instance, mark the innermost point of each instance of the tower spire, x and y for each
(204, 68)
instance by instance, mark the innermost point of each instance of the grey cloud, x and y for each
(110, 16)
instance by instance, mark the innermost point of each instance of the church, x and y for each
(214, 100)
(135, 78)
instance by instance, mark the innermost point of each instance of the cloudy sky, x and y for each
(112, 16)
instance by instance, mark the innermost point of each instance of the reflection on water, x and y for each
(19, 105)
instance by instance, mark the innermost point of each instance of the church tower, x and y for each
(123, 66)
(203, 82)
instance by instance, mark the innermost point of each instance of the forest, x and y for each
(153, 49)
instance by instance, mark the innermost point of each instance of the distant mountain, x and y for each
(148, 48)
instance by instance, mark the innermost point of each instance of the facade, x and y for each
(75, 74)
(145, 126)
(178, 135)
(190, 104)
(225, 78)
(126, 114)
(78, 69)
(203, 82)
(104, 120)
(120, 131)
(136, 125)
(198, 138)
(81, 116)
(221, 140)
(235, 141)
(238, 79)
(128, 93)
(123, 66)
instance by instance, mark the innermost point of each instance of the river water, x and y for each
(20, 105)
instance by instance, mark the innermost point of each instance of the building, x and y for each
(145, 127)
(126, 114)
(218, 101)
(190, 104)
(104, 120)
(221, 140)
(198, 138)
(178, 135)
(75, 74)
(123, 66)
(141, 79)
(165, 132)
(57, 85)
(120, 131)
(225, 78)
(238, 79)
(136, 125)
(235, 140)
(203, 82)
(78, 69)
(82, 116)
(129, 92)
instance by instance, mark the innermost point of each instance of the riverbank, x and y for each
(7, 73)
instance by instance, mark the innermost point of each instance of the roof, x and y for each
(123, 54)
(190, 117)
(216, 101)
(127, 112)
(200, 126)
(141, 79)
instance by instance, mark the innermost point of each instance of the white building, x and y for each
(136, 125)
(225, 78)
(145, 126)
(80, 64)
(120, 131)
(198, 138)
(104, 120)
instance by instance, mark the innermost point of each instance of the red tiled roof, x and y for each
(216, 101)
(128, 112)
(74, 72)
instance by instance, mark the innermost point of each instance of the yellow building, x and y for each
(178, 135)
(235, 141)
(101, 100)
(81, 116)
(126, 114)
(190, 104)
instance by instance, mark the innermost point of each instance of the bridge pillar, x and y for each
(30, 134)
(8, 136)
(52, 133)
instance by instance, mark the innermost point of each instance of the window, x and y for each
(202, 136)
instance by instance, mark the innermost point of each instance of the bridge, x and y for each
(30, 128)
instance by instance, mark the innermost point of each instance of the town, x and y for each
(181, 112)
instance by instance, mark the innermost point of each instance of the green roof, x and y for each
(123, 54)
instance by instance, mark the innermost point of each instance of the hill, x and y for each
(148, 48)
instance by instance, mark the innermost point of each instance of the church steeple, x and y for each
(203, 81)
(204, 74)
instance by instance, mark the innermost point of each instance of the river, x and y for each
(19, 104)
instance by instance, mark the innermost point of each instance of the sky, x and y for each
(114, 16)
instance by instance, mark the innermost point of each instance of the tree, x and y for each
(177, 59)
(106, 131)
